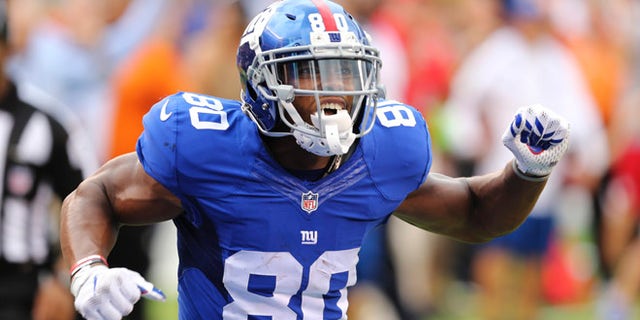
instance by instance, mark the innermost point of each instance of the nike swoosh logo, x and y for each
(164, 116)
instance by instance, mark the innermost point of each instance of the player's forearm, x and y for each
(500, 202)
(87, 226)
(474, 209)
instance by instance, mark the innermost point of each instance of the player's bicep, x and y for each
(134, 196)
(440, 205)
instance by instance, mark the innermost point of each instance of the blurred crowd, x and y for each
(467, 65)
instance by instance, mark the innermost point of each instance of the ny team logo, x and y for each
(309, 202)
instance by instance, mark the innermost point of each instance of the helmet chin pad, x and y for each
(333, 134)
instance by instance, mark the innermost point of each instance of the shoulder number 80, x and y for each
(206, 112)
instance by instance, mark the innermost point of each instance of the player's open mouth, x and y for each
(331, 108)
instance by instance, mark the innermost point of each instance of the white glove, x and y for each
(102, 293)
(538, 138)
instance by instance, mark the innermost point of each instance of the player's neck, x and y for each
(291, 157)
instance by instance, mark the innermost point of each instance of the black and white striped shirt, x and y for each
(41, 162)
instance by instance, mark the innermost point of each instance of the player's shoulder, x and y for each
(398, 148)
(192, 104)
(195, 115)
(208, 133)
(193, 122)
(395, 120)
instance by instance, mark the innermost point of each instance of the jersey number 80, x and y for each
(244, 268)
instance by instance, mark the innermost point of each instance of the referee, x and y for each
(40, 164)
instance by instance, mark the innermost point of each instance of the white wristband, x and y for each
(525, 176)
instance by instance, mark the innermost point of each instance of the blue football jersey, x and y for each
(255, 241)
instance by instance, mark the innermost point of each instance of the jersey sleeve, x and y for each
(401, 148)
(156, 146)
(183, 139)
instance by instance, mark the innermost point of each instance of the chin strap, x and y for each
(338, 134)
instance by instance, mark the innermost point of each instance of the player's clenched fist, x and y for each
(538, 138)
(103, 293)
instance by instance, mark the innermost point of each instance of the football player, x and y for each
(272, 195)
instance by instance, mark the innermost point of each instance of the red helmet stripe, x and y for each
(327, 16)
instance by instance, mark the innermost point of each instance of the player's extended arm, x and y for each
(479, 208)
(118, 193)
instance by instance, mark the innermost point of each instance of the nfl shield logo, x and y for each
(309, 202)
